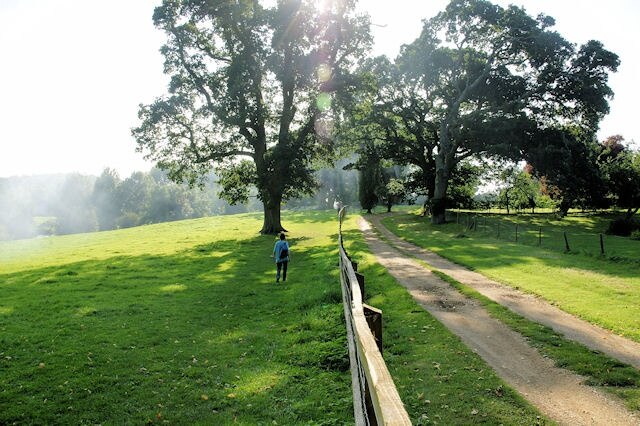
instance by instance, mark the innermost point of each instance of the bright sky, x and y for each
(74, 72)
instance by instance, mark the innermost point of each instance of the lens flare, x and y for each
(323, 73)
(323, 101)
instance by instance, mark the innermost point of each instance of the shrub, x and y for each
(635, 235)
(128, 220)
(623, 227)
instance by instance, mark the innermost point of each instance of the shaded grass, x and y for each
(439, 379)
(179, 322)
(547, 230)
(598, 290)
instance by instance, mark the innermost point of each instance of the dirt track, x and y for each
(556, 392)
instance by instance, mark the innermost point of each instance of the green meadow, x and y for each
(183, 323)
(546, 230)
(179, 321)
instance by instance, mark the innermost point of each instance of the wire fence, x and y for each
(578, 234)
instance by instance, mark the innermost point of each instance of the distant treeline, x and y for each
(72, 203)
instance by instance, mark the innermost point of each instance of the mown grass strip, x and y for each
(600, 291)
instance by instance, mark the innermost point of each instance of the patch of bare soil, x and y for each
(557, 393)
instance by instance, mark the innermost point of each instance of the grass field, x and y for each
(600, 290)
(182, 323)
(178, 322)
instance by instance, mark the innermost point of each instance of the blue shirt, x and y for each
(277, 250)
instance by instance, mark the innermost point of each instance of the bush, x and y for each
(635, 235)
(128, 220)
(623, 227)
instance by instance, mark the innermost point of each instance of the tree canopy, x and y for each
(483, 80)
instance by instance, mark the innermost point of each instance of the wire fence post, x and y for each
(566, 241)
(516, 232)
(540, 236)
(601, 245)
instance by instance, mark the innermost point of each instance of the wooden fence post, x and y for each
(566, 241)
(601, 245)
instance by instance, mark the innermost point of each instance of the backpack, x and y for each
(284, 253)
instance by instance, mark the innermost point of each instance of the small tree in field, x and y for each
(255, 83)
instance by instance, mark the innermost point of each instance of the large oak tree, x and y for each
(251, 92)
(486, 80)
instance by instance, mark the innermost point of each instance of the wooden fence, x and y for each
(375, 397)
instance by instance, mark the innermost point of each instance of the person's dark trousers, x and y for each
(282, 266)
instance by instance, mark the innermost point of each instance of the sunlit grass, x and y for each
(179, 322)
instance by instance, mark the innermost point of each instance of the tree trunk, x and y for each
(271, 223)
(438, 211)
(439, 200)
(563, 208)
(631, 212)
(444, 165)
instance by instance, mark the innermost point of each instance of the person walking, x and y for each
(281, 254)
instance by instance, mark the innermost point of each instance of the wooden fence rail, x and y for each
(375, 397)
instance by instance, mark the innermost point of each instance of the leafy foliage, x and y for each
(483, 80)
